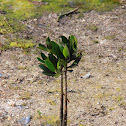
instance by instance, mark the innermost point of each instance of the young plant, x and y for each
(57, 63)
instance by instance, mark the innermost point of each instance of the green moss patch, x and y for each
(81, 125)
(22, 45)
(14, 12)
(51, 119)
(25, 95)
(117, 98)
(92, 27)
(51, 102)
(110, 37)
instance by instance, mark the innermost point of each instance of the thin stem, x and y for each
(65, 114)
(61, 101)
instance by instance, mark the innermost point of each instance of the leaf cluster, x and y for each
(59, 55)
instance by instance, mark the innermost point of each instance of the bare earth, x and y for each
(96, 101)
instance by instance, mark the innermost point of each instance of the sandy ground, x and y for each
(96, 101)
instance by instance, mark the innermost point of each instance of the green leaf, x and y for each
(56, 50)
(77, 60)
(73, 42)
(50, 65)
(64, 40)
(43, 56)
(66, 52)
(42, 47)
(46, 71)
(48, 43)
(58, 65)
(53, 59)
(49, 73)
(58, 73)
(61, 48)
(40, 60)
(43, 67)
(62, 62)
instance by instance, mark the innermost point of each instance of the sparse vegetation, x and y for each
(51, 102)
(4, 47)
(92, 27)
(22, 45)
(96, 41)
(13, 12)
(19, 72)
(21, 67)
(81, 125)
(110, 37)
(51, 119)
(118, 98)
(25, 95)
(103, 95)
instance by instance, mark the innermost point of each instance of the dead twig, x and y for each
(66, 14)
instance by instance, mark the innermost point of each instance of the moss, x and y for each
(87, 5)
(120, 49)
(40, 82)
(16, 11)
(122, 104)
(38, 115)
(51, 119)
(111, 108)
(98, 86)
(53, 91)
(103, 95)
(25, 95)
(92, 27)
(81, 125)
(118, 89)
(23, 45)
(81, 15)
(4, 47)
(117, 98)
(57, 80)
(24, 104)
(13, 87)
(110, 37)
(21, 67)
(51, 102)
(95, 41)
(104, 5)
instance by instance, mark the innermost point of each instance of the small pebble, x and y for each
(25, 120)
(71, 91)
(86, 76)
(4, 76)
(1, 75)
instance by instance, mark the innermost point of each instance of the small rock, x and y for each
(1, 75)
(71, 91)
(86, 76)
(12, 103)
(124, 69)
(4, 76)
(25, 120)
(3, 114)
(9, 117)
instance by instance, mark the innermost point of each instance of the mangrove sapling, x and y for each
(56, 64)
